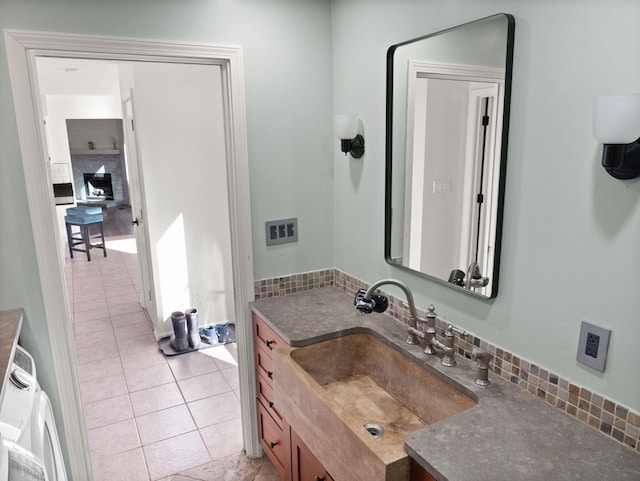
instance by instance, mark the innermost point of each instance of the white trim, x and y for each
(22, 49)
(478, 73)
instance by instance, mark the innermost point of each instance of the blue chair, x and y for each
(84, 217)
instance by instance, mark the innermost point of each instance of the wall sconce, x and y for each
(347, 131)
(616, 124)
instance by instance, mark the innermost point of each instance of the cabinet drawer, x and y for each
(305, 466)
(266, 336)
(275, 441)
(263, 363)
(265, 395)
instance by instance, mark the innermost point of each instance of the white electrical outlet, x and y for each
(592, 345)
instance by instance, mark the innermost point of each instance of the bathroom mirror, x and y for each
(446, 145)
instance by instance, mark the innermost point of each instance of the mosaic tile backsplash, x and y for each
(598, 412)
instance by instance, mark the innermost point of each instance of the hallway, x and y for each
(150, 417)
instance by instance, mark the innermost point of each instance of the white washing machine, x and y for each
(45, 444)
(26, 418)
(19, 464)
(18, 399)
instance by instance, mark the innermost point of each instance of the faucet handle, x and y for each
(483, 358)
(451, 330)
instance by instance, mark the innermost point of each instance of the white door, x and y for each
(138, 217)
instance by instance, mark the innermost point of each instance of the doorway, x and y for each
(22, 50)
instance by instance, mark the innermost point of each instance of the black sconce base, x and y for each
(355, 147)
(622, 161)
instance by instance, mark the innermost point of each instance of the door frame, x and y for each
(137, 199)
(22, 49)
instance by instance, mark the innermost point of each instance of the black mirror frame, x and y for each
(503, 155)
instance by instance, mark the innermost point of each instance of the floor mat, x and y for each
(165, 346)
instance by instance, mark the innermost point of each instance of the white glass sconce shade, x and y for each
(616, 124)
(616, 118)
(346, 127)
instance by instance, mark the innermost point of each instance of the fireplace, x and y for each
(98, 186)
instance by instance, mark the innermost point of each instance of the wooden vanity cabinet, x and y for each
(419, 474)
(273, 430)
(304, 464)
(293, 460)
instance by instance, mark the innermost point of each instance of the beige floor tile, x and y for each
(97, 352)
(99, 369)
(155, 399)
(165, 424)
(94, 326)
(127, 466)
(175, 454)
(118, 294)
(232, 377)
(95, 313)
(115, 341)
(203, 386)
(131, 330)
(88, 278)
(156, 375)
(232, 468)
(114, 438)
(223, 439)
(131, 317)
(192, 364)
(104, 388)
(267, 473)
(124, 308)
(108, 411)
(95, 338)
(91, 303)
(142, 359)
(143, 343)
(215, 409)
(225, 356)
(115, 277)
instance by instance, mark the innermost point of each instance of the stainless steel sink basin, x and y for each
(337, 394)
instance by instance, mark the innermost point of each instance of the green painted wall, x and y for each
(287, 66)
(571, 233)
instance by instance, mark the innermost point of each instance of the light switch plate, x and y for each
(281, 231)
(592, 345)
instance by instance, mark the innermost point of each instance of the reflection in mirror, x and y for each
(447, 119)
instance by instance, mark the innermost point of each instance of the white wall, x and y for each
(444, 160)
(180, 136)
(59, 108)
(570, 241)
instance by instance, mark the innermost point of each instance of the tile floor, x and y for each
(150, 417)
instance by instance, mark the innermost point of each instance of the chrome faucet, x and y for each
(447, 345)
(366, 303)
(474, 277)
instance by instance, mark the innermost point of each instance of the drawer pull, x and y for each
(268, 343)
(319, 478)
(270, 404)
(273, 445)
(270, 374)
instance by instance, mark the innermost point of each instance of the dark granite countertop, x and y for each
(509, 435)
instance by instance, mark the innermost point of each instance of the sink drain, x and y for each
(374, 429)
